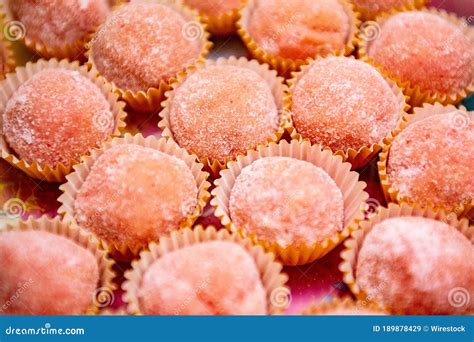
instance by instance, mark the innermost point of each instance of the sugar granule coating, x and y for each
(213, 8)
(287, 201)
(431, 160)
(299, 29)
(221, 111)
(344, 103)
(45, 274)
(59, 22)
(426, 50)
(135, 194)
(142, 44)
(411, 264)
(210, 278)
(56, 116)
(379, 6)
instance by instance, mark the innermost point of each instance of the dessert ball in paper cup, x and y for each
(133, 191)
(55, 28)
(294, 199)
(285, 34)
(143, 45)
(345, 307)
(430, 162)
(220, 16)
(204, 271)
(50, 267)
(370, 9)
(222, 108)
(52, 113)
(412, 261)
(345, 105)
(430, 54)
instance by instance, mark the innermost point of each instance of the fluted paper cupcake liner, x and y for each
(52, 173)
(273, 280)
(275, 83)
(348, 182)
(76, 179)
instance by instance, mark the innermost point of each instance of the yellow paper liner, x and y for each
(363, 155)
(416, 95)
(5, 47)
(273, 280)
(150, 99)
(75, 180)
(88, 241)
(13, 81)
(345, 303)
(354, 243)
(393, 195)
(275, 83)
(223, 24)
(348, 182)
(368, 14)
(285, 66)
(72, 51)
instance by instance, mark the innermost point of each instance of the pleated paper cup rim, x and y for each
(285, 66)
(273, 280)
(392, 194)
(366, 14)
(417, 96)
(345, 303)
(13, 81)
(150, 99)
(364, 154)
(223, 24)
(354, 243)
(276, 84)
(104, 291)
(348, 182)
(76, 179)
